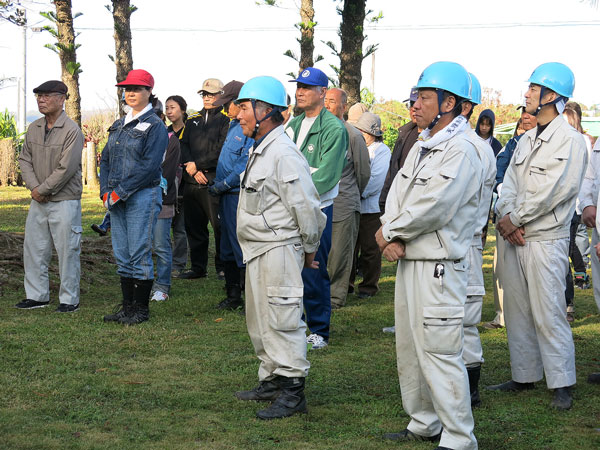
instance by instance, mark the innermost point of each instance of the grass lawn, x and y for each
(70, 381)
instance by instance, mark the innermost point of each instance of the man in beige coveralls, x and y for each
(279, 224)
(536, 206)
(429, 222)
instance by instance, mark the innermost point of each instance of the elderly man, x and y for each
(201, 143)
(346, 206)
(51, 167)
(429, 222)
(323, 140)
(279, 224)
(536, 206)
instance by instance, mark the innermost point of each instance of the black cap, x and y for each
(51, 86)
(230, 92)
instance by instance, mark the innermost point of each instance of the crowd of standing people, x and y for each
(299, 205)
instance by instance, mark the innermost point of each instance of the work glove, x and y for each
(110, 199)
(218, 188)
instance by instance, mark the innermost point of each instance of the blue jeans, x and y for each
(164, 256)
(317, 289)
(132, 227)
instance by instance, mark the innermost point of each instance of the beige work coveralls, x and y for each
(432, 207)
(539, 192)
(588, 196)
(473, 351)
(278, 220)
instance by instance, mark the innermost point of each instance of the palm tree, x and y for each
(66, 49)
(123, 59)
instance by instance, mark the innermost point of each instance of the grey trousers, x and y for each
(497, 277)
(57, 223)
(274, 291)
(595, 268)
(539, 337)
(473, 351)
(429, 346)
(339, 264)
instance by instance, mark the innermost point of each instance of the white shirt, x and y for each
(379, 155)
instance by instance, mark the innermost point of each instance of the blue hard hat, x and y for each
(475, 96)
(555, 76)
(449, 76)
(266, 89)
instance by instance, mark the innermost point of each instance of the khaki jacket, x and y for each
(542, 181)
(278, 203)
(52, 162)
(432, 204)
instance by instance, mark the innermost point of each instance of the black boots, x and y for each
(407, 435)
(233, 300)
(290, 401)
(563, 399)
(287, 395)
(511, 386)
(127, 305)
(265, 391)
(233, 284)
(141, 298)
(594, 378)
(474, 374)
(136, 295)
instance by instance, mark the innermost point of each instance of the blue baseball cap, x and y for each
(313, 77)
(414, 95)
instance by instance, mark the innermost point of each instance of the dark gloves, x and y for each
(218, 188)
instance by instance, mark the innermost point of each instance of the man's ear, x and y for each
(549, 96)
(449, 104)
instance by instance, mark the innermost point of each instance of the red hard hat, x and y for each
(138, 77)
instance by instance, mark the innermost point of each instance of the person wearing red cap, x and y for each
(51, 168)
(130, 176)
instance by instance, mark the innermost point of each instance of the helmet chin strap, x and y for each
(559, 98)
(440, 96)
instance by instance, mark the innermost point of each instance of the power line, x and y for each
(408, 27)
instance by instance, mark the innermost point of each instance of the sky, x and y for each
(183, 42)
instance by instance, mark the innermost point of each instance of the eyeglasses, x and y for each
(134, 88)
(47, 96)
(208, 94)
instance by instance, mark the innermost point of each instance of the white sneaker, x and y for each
(389, 329)
(159, 296)
(315, 342)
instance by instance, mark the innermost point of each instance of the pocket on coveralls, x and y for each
(442, 329)
(76, 237)
(285, 307)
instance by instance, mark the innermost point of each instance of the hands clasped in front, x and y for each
(510, 232)
(393, 251)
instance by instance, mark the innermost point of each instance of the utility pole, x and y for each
(22, 86)
(373, 73)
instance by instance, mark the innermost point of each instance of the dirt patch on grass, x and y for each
(96, 259)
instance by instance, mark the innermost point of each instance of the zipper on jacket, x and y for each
(267, 224)
(439, 240)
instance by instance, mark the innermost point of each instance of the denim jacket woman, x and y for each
(133, 155)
